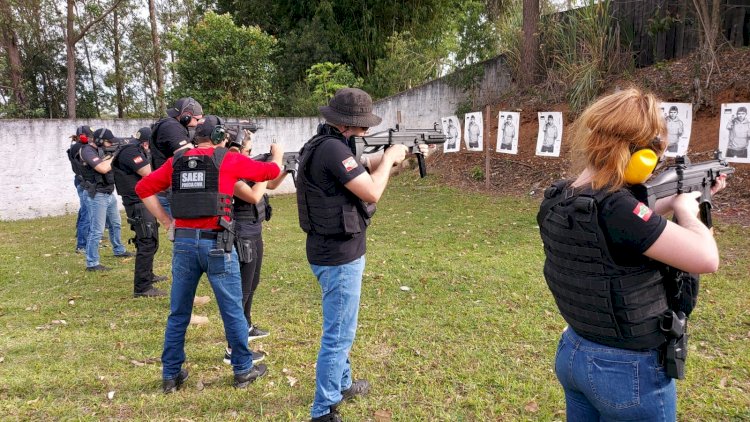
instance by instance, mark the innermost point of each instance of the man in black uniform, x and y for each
(172, 134)
(83, 221)
(333, 192)
(99, 183)
(130, 164)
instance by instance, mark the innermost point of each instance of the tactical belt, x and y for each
(190, 233)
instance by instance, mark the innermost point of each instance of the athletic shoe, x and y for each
(81, 251)
(98, 267)
(255, 333)
(358, 388)
(157, 278)
(243, 380)
(257, 356)
(127, 254)
(170, 386)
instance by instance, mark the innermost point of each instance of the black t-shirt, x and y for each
(170, 136)
(129, 160)
(630, 228)
(104, 184)
(330, 168)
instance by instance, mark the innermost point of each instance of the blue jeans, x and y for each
(191, 257)
(83, 222)
(102, 210)
(606, 383)
(341, 286)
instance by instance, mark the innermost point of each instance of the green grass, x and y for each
(472, 339)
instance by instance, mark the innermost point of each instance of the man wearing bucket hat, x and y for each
(335, 200)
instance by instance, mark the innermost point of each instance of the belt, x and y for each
(190, 233)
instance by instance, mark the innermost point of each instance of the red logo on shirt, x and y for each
(642, 211)
(350, 164)
(138, 160)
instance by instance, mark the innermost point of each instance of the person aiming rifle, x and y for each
(608, 260)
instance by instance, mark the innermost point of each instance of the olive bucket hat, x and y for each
(350, 107)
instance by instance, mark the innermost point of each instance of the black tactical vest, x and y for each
(251, 213)
(75, 162)
(92, 179)
(602, 301)
(125, 181)
(195, 186)
(322, 213)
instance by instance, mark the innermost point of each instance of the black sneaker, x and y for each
(98, 267)
(127, 254)
(257, 356)
(81, 251)
(170, 386)
(334, 416)
(157, 278)
(255, 333)
(358, 388)
(242, 381)
(152, 292)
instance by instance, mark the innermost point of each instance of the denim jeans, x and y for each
(341, 286)
(102, 211)
(83, 222)
(191, 257)
(606, 383)
(164, 201)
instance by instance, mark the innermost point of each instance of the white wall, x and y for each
(40, 180)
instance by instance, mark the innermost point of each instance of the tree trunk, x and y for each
(70, 45)
(157, 59)
(118, 71)
(9, 41)
(529, 71)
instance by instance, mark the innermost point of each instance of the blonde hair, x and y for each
(611, 129)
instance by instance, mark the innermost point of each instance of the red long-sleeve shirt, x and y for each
(233, 168)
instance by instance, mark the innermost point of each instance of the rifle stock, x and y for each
(685, 177)
(411, 138)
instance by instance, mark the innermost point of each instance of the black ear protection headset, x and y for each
(643, 161)
(186, 116)
(218, 133)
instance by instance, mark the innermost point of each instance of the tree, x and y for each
(71, 39)
(530, 63)
(227, 68)
(9, 42)
(157, 55)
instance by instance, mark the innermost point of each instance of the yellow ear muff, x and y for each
(642, 163)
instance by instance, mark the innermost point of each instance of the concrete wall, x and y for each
(39, 180)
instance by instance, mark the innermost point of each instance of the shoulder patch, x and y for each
(138, 159)
(183, 142)
(642, 211)
(350, 164)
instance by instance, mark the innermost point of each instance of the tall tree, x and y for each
(530, 62)
(9, 42)
(119, 77)
(157, 55)
(71, 39)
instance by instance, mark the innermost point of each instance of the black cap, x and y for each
(185, 105)
(143, 134)
(104, 134)
(84, 130)
(206, 127)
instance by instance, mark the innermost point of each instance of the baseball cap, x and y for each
(185, 105)
(206, 127)
(143, 134)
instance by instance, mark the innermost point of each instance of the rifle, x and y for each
(290, 163)
(685, 177)
(236, 130)
(411, 138)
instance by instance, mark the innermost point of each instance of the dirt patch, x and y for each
(527, 174)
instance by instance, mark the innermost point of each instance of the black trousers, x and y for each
(250, 273)
(146, 243)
